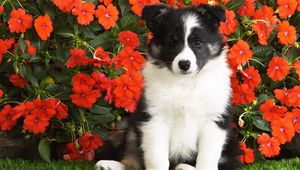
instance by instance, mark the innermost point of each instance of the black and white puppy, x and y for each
(182, 120)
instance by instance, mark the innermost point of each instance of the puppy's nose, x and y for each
(184, 65)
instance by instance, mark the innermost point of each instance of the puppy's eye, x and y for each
(197, 43)
(171, 43)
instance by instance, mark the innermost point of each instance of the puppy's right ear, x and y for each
(153, 15)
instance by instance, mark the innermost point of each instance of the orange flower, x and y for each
(247, 8)
(296, 66)
(131, 59)
(43, 26)
(243, 94)
(66, 5)
(251, 77)
(298, 8)
(106, 2)
(101, 57)
(107, 17)
(263, 29)
(129, 39)
(272, 112)
(230, 24)
(198, 2)
(77, 58)
(127, 91)
(30, 49)
(240, 52)
(278, 68)
(294, 117)
(19, 21)
(85, 13)
(138, 5)
(286, 7)
(268, 146)
(282, 96)
(294, 96)
(283, 130)
(286, 33)
(248, 155)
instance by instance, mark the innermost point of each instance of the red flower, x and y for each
(294, 117)
(247, 8)
(77, 58)
(84, 97)
(43, 26)
(1, 9)
(85, 13)
(23, 109)
(298, 8)
(127, 91)
(268, 146)
(1, 93)
(294, 96)
(106, 2)
(3, 49)
(286, 7)
(67, 5)
(272, 112)
(19, 21)
(131, 59)
(82, 79)
(283, 130)
(251, 77)
(6, 118)
(101, 57)
(72, 152)
(103, 83)
(138, 5)
(30, 49)
(230, 24)
(240, 52)
(107, 17)
(248, 156)
(61, 110)
(243, 94)
(296, 66)
(278, 68)
(286, 33)
(129, 39)
(89, 141)
(46, 108)
(17, 80)
(36, 122)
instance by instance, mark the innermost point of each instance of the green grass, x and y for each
(9, 164)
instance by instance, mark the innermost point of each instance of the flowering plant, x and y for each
(71, 68)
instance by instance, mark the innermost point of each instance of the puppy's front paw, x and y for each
(184, 167)
(109, 165)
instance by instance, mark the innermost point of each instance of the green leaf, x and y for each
(262, 50)
(44, 150)
(124, 6)
(261, 124)
(262, 98)
(22, 45)
(65, 34)
(102, 40)
(100, 109)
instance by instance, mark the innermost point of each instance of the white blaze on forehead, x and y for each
(190, 21)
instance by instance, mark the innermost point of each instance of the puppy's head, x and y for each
(184, 40)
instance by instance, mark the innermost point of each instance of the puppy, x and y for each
(182, 120)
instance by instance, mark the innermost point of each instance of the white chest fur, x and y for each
(185, 103)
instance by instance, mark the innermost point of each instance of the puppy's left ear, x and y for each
(213, 14)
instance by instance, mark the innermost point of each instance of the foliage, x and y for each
(71, 68)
